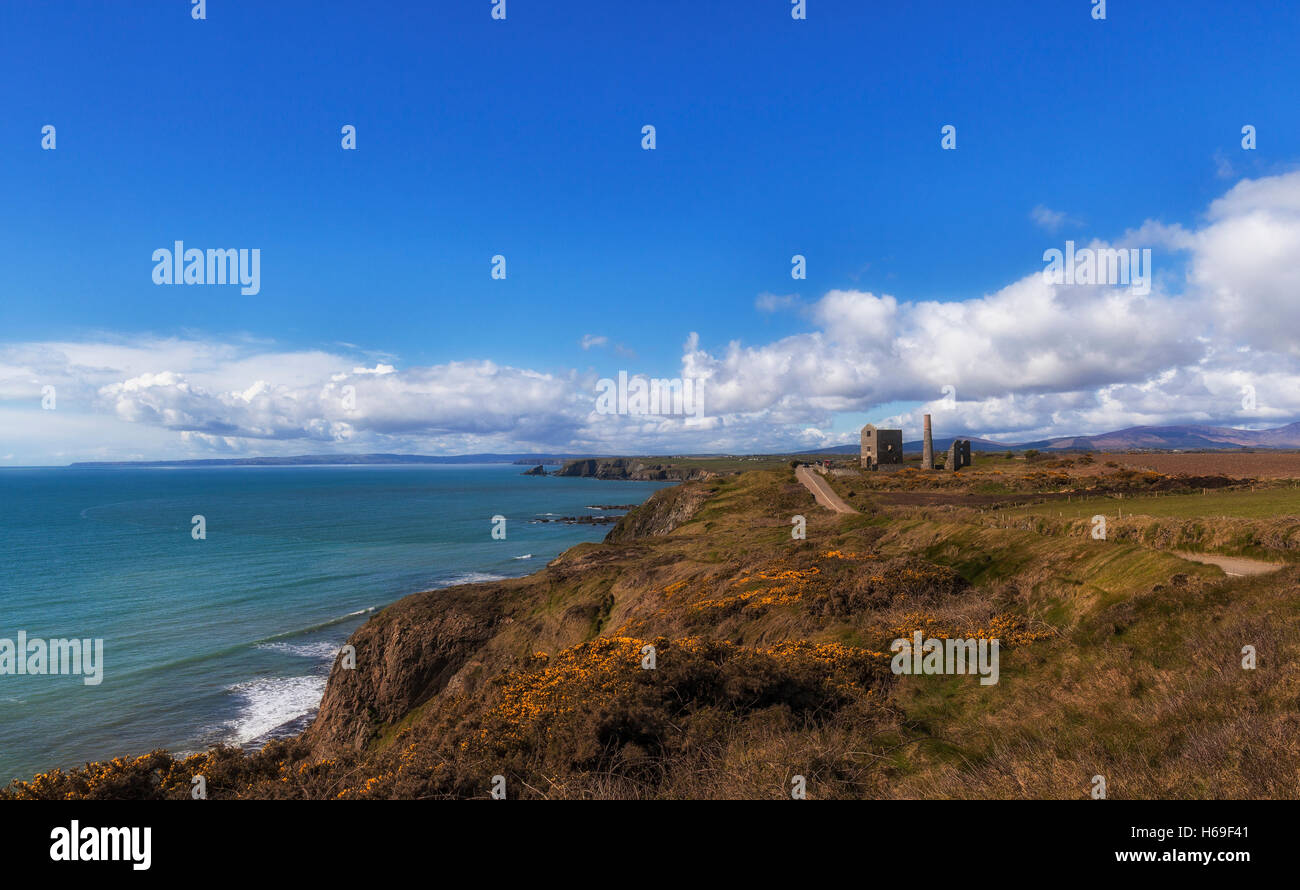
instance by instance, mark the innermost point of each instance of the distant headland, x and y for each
(1190, 437)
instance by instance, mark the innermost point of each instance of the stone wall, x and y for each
(881, 447)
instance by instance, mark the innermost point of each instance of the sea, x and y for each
(229, 638)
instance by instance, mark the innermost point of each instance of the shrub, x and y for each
(875, 586)
(592, 709)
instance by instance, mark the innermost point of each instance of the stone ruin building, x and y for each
(958, 455)
(881, 447)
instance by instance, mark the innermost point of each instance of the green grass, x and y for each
(1073, 570)
(1267, 503)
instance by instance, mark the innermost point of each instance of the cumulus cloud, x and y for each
(1046, 359)
(476, 398)
(1031, 359)
(1030, 336)
(1245, 263)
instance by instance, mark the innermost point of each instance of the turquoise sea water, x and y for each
(229, 638)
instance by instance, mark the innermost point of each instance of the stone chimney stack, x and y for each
(927, 448)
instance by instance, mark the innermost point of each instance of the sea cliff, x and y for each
(704, 649)
(636, 469)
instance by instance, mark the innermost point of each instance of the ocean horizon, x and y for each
(229, 639)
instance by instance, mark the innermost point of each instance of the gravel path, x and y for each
(821, 490)
(1233, 565)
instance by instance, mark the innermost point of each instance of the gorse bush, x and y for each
(226, 771)
(591, 708)
(887, 582)
(594, 709)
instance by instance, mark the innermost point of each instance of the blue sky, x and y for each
(522, 138)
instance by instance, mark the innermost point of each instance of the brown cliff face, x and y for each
(662, 512)
(405, 655)
(452, 640)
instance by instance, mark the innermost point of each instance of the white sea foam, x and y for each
(322, 625)
(268, 702)
(525, 556)
(469, 578)
(323, 650)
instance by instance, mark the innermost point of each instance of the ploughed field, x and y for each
(1255, 464)
(706, 649)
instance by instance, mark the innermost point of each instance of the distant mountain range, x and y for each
(322, 460)
(1157, 438)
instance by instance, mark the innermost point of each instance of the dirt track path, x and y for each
(821, 490)
(1232, 565)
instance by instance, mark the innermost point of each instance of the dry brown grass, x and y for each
(1117, 660)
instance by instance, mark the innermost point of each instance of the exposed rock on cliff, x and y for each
(631, 468)
(662, 512)
(406, 655)
(448, 642)
(451, 639)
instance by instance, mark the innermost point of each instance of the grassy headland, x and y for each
(771, 654)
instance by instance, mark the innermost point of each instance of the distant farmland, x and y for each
(1253, 464)
(1266, 503)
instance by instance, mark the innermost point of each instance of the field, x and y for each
(1234, 505)
(1243, 464)
(1264, 503)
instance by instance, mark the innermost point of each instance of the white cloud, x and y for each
(1245, 263)
(1030, 360)
(766, 302)
(1051, 220)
